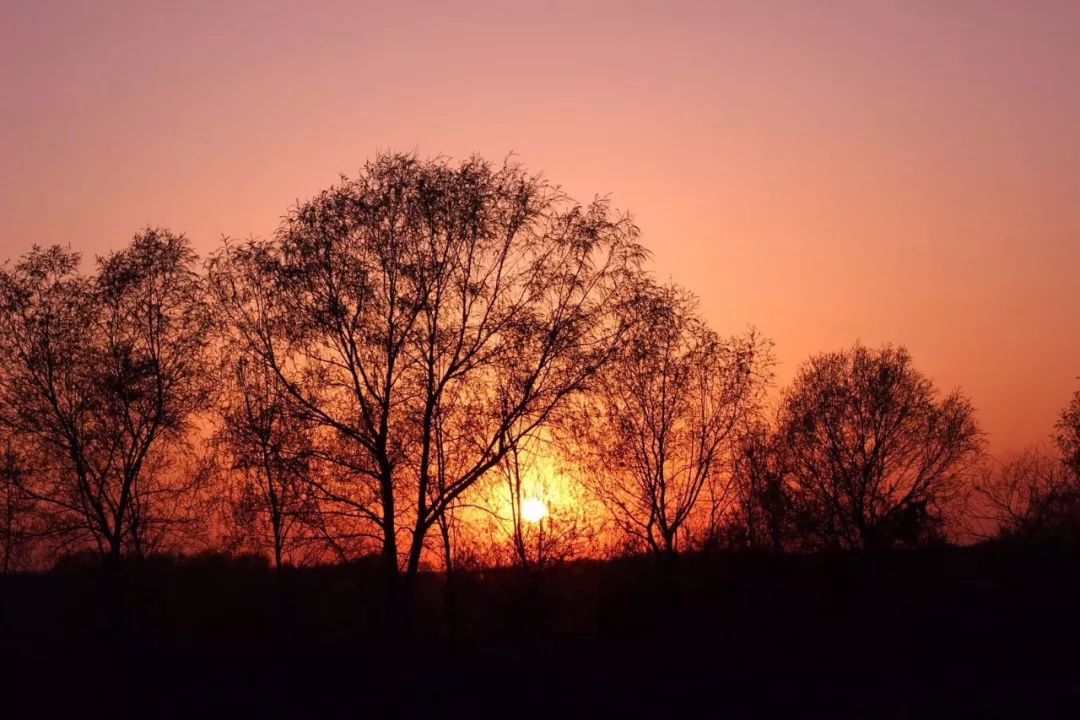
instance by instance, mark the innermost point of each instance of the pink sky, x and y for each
(827, 171)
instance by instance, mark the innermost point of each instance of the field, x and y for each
(988, 631)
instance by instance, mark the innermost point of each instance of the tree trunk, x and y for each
(115, 546)
(389, 550)
(451, 585)
(416, 548)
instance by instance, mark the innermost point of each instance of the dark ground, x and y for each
(988, 631)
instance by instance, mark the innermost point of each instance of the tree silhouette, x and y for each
(876, 456)
(764, 508)
(270, 451)
(655, 433)
(1068, 434)
(98, 372)
(393, 352)
(424, 303)
(1031, 496)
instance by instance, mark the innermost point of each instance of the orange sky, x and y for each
(899, 171)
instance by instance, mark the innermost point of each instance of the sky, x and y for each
(825, 171)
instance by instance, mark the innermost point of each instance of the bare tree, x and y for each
(44, 304)
(270, 452)
(1034, 495)
(513, 469)
(420, 295)
(876, 455)
(98, 373)
(655, 434)
(1068, 434)
(764, 506)
(1029, 496)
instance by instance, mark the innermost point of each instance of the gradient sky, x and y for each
(827, 171)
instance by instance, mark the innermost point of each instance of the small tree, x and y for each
(1030, 496)
(655, 433)
(876, 455)
(270, 451)
(1068, 434)
(764, 506)
(98, 373)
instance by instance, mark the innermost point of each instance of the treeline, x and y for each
(386, 374)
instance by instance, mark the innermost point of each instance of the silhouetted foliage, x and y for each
(875, 455)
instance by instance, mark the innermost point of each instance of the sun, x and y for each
(533, 510)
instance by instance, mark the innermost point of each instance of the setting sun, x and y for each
(533, 510)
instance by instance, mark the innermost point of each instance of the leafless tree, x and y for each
(423, 294)
(1031, 495)
(98, 374)
(876, 455)
(764, 506)
(270, 451)
(513, 469)
(1068, 434)
(657, 431)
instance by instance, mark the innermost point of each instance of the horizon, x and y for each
(899, 173)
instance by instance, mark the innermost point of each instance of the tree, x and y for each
(270, 450)
(655, 433)
(877, 457)
(1031, 496)
(1034, 495)
(764, 506)
(427, 309)
(44, 339)
(513, 468)
(1068, 434)
(98, 374)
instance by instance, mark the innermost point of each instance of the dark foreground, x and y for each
(988, 631)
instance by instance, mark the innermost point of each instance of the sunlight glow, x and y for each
(533, 510)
